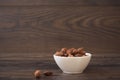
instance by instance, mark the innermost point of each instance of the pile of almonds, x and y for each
(72, 52)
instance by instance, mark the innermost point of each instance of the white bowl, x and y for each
(72, 65)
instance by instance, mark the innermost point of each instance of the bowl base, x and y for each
(72, 72)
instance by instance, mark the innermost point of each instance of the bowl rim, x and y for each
(88, 55)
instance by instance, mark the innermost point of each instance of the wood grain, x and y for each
(13, 69)
(59, 2)
(45, 29)
(32, 30)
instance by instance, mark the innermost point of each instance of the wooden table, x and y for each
(32, 30)
(19, 67)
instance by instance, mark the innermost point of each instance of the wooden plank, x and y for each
(24, 68)
(60, 2)
(45, 29)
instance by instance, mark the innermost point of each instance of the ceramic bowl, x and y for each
(73, 65)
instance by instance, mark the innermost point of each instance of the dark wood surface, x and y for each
(32, 30)
(21, 67)
(60, 2)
